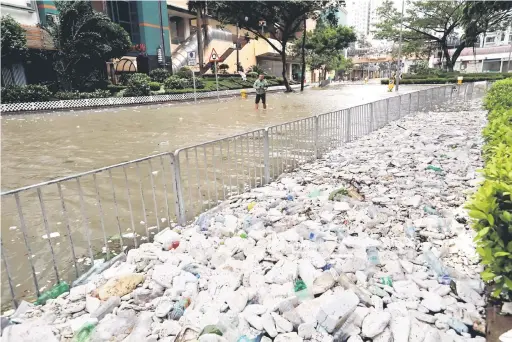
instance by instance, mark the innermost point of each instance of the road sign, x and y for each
(214, 57)
(263, 23)
(191, 58)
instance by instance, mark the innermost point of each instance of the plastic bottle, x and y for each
(435, 264)
(246, 338)
(373, 255)
(348, 285)
(203, 221)
(386, 281)
(250, 206)
(179, 309)
(434, 168)
(53, 293)
(429, 210)
(243, 235)
(409, 230)
(301, 290)
(84, 333)
(457, 325)
(247, 222)
(289, 197)
(314, 193)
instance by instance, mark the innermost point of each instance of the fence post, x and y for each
(387, 110)
(347, 125)
(266, 156)
(317, 142)
(178, 190)
(400, 106)
(410, 102)
(418, 107)
(371, 117)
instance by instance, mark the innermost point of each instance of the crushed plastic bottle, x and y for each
(373, 255)
(250, 206)
(203, 221)
(445, 280)
(457, 325)
(211, 329)
(289, 197)
(53, 293)
(179, 309)
(247, 222)
(246, 338)
(301, 290)
(434, 168)
(435, 264)
(314, 193)
(312, 236)
(410, 230)
(429, 210)
(84, 333)
(327, 267)
(386, 281)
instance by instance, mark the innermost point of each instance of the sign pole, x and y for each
(194, 80)
(217, 80)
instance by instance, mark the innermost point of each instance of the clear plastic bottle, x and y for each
(373, 256)
(410, 230)
(435, 264)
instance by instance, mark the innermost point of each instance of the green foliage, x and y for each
(184, 73)
(84, 39)
(283, 19)
(114, 88)
(174, 82)
(435, 79)
(500, 95)
(223, 68)
(252, 74)
(159, 75)
(14, 41)
(138, 85)
(67, 95)
(491, 206)
(124, 78)
(155, 86)
(432, 24)
(257, 69)
(26, 93)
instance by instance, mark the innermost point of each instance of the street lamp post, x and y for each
(399, 67)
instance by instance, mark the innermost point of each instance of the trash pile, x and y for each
(369, 243)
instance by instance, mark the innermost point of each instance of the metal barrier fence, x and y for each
(74, 220)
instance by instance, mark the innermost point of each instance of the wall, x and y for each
(19, 10)
(45, 8)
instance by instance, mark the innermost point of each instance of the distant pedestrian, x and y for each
(261, 89)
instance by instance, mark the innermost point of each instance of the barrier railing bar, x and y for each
(143, 202)
(68, 228)
(102, 222)
(130, 207)
(153, 188)
(47, 229)
(115, 208)
(85, 218)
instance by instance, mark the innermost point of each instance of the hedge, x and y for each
(455, 75)
(490, 208)
(438, 80)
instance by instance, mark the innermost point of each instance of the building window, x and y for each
(510, 38)
(125, 14)
(503, 36)
(489, 39)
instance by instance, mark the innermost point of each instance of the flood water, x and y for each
(120, 207)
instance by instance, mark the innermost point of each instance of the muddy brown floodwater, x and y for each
(45, 146)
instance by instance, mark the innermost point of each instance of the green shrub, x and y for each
(115, 88)
(138, 85)
(159, 75)
(26, 93)
(99, 93)
(124, 78)
(223, 68)
(491, 206)
(173, 82)
(500, 95)
(257, 69)
(155, 86)
(67, 95)
(252, 74)
(184, 73)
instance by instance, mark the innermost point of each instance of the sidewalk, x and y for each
(362, 243)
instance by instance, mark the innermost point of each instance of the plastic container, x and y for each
(84, 333)
(429, 210)
(386, 281)
(168, 238)
(373, 255)
(301, 291)
(434, 168)
(410, 232)
(53, 293)
(435, 264)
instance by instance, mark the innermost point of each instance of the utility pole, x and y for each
(399, 67)
(237, 52)
(199, 29)
(162, 33)
(303, 76)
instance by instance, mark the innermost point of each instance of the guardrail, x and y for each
(54, 230)
(119, 101)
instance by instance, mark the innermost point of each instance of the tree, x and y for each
(325, 44)
(282, 18)
(200, 8)
(435, 23)
(85, 40)
(14, 41)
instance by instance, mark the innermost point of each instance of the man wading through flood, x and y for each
(261, 89)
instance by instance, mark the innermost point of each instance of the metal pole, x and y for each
(399, 67)
(237, 52)
(509, 53)
(162, 33)
(217, 80)
(194, 81)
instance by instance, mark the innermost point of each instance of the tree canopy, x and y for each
(14, 41)
(283, 19)
(324, 46)
(85, 40)
(430, 24)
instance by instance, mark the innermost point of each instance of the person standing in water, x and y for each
(261, 91)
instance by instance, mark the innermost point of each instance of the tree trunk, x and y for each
(303, 76)
(199, 26)
(283, 60)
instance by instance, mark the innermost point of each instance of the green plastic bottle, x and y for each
(434, 168)
(53, 293)
(84, 333)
